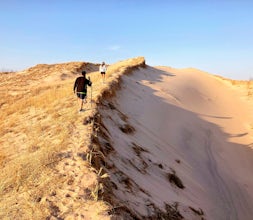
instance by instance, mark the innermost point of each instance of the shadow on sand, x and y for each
(213, 183)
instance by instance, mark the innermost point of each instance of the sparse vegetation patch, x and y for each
(175, 180)
(197, 211)
(127, 128)
(171, 212)
(138, 149)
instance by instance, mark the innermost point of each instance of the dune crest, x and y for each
(45, 151)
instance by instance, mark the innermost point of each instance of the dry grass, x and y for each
(32, 135)
(39, 123)
(246, 84)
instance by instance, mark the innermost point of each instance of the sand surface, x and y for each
(187, 122)
(153, 143)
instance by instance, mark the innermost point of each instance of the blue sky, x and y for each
(215, 36)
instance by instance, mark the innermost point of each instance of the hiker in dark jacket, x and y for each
(80, 88)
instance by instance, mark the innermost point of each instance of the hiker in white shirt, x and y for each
(102, 70)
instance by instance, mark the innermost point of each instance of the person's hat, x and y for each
(83, 73)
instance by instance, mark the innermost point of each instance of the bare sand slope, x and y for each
(179, 144)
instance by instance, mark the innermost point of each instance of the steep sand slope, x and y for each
(165, 125)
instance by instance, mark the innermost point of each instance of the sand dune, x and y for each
(46, 154)
(183, 122)
(154, 143)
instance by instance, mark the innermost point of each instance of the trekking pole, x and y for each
(90, 94)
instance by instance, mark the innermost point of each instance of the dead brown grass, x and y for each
(41, 137)
(32, 134)
(247, 85)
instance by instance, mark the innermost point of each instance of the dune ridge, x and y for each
(45, 173)
(154, 143)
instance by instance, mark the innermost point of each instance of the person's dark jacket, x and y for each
(81, 84)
